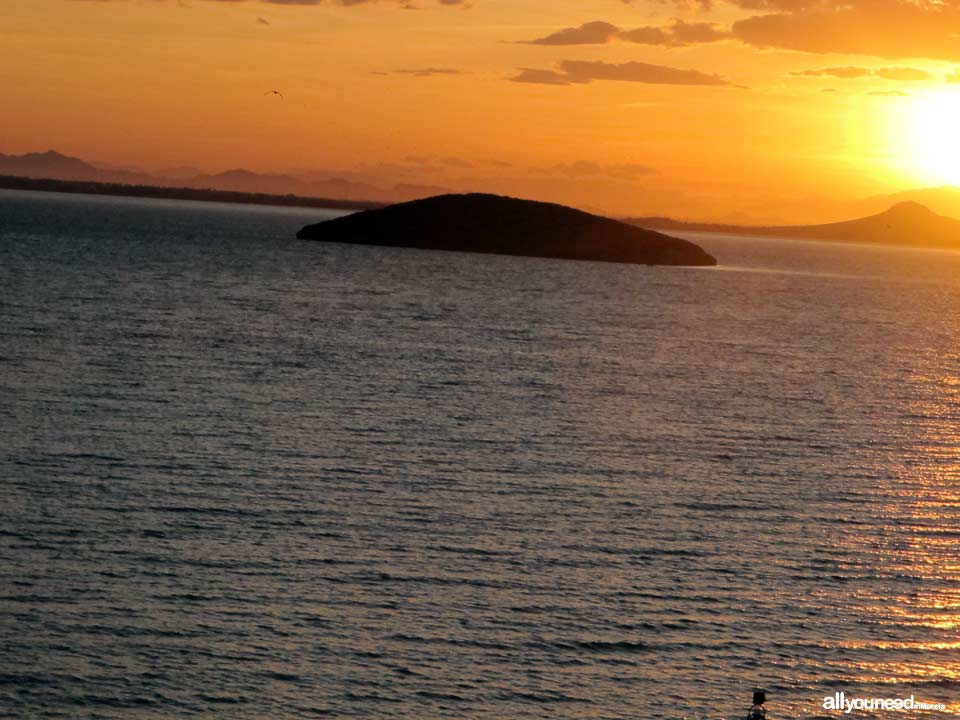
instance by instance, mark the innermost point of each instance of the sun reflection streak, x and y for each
(911, 607)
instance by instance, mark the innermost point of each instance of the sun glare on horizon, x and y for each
(930, 126)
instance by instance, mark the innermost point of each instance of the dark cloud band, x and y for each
(872, 28)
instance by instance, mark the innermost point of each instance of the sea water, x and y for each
(246, 476)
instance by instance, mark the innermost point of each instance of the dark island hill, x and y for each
(481, 223)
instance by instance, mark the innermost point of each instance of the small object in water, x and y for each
(758, 711)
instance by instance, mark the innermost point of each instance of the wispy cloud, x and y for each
(585, 168)
(888, 73)
(875, 28)
(403, 3)
(574, 72)
(591, 33)
(678, 34)
(426, 71)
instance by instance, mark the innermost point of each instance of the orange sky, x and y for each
(692, 108)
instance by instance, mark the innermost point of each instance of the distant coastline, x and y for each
(12, 182)
(906, 223)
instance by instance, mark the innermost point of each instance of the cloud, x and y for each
(591, 33)
(412, 164)
(540, 77)
(838, 72)
(456, 162)
(572, 72)
(403, 3)
(426, 71)
(584, 168)
(888, 73)
(678, 34)
(902, 73)
(875, 28)
(953, 76)
(889, 93)
(894, 29)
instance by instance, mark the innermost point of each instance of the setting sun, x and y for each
(931, 125)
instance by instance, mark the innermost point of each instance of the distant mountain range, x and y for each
(56, 166)
(906, 223)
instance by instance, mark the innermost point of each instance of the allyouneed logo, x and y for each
(840, 701)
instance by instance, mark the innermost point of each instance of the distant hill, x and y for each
(49, 163)
(942, 200)
(482, 223)
(906, 223)
(52, 165)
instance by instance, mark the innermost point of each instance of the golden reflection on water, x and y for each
(911, 610)
(922, 540)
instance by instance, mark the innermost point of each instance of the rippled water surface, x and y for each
(245, 476)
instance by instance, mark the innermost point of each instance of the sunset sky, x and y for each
(698, 109)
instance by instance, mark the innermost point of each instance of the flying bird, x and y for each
(275, 92)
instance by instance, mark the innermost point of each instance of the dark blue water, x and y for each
(244, 476)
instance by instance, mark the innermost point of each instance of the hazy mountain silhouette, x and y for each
(52, 164)
(56, 166)
(179, 172)
(942, 200)
(241, 180)
(49, 162)
(906, 223)
(482, 223)
(316, 184)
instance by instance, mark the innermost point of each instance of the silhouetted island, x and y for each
(483, 223)
(906, 223)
